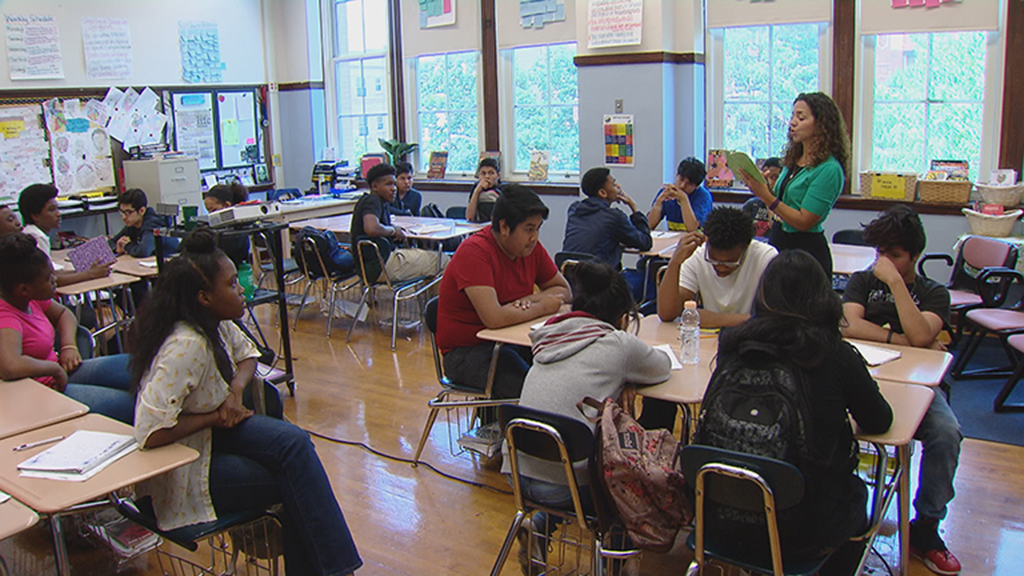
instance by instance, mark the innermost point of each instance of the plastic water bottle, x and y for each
(245, 281)
(689, 334)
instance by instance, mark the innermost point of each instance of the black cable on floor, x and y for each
(429, 466)
(882, 558)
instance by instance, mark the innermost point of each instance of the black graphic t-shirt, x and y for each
(879, 306)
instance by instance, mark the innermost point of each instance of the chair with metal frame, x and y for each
(263, 260)
(980, 276)
(557, 439)
(374, 275)
(455, 212)
(760, 485)
(466, 396)
(315, 271)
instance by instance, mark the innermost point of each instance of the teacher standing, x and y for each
(815, 166)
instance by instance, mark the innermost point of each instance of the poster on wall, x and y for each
(618, 140)
(200, 52)
(79, 148)
(33, 47)
(434, 13)
(24, 152)
(614, 23)
(193, 127)
(107, 44)
(536, 13)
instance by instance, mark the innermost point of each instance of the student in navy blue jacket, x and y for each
(595, 227)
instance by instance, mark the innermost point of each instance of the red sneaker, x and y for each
(927, 545)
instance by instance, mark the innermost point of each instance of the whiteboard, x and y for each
(194, 127)
(236, 114)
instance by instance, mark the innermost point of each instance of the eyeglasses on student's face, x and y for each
(127, 213)
(724, 263)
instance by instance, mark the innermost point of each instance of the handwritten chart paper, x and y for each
(33, 47)
(614, 23)
(107, 43)
(24, 151)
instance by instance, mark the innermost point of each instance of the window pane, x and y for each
(958, 66)
(464, 149)
(531, 133)
(898, 136)
(433, 135)
(375, 78)
(746, 63)
(447, 109)
(530, 71)
(352, 142)
(954, 132)
(794, 60)
(746, 128)
(565, 140)
(901, 67)
(376, 25)
(348, 18)
(430, 83)
(351, 87)
(546, 106)
(563, 75)
(462, 81)
(779, 126)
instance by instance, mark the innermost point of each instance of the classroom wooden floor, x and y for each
(413, 521)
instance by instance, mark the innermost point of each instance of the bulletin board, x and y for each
(222, 128)
(236, 112)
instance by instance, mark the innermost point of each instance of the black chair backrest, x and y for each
(786, 481)
(430, 315)
(456, 212)
(578, 438)
(561, 257)
(372, 259)
(853, 236)
(430, 210)
(309, 251)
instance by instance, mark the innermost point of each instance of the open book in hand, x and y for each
(739, 161)
(876, 355)
(78, 455)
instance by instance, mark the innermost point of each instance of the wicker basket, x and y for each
(1008, 196)
(944, 191)
(990, 225)
(909, 184)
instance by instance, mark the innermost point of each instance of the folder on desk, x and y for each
(89, 253)
(876, 355)
(79, 454)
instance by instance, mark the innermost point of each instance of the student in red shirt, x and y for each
(490, 283)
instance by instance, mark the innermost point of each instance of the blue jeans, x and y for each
(265, 461)
(940, 437)
(468, 366)
(103, 384)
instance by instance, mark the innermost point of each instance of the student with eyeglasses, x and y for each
(720, 266)
(136, 238)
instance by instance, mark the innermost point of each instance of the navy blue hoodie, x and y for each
(594, 227)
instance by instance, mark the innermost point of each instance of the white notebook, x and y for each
(80, 453)
(876, 355)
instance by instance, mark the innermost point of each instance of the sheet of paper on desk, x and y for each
(79, 454)
(537, 325)
(148, 263)
(4, 497)
(676, 364)
(430, 228)
(661, 234)
(876, 355)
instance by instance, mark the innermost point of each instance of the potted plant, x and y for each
(396, 150)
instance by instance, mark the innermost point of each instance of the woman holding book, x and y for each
(190, 367)
(815, 168)
(30, 322)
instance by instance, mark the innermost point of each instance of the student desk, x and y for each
(109, 283)
(26, 405)
(413, 225)
(909, 405)
(15, 517)
(55, 497)
(847, 258)
(663, 243)
(139, 267)
(922, 366)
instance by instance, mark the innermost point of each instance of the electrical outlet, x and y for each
(618, 105)
(273, 86)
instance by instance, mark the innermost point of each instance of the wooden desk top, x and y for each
(847, 258)
(51, 496)
(27, 405)
(909, 404)
(15, 517)
(663, 243)
(922, 366)
(113, 281)
(134, 266)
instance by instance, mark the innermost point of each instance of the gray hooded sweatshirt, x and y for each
(574, 356)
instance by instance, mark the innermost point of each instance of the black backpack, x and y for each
(337, 260)
(757, 404)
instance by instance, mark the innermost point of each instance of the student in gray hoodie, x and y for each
(582, 353)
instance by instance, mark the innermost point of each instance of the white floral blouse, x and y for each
(184, 378)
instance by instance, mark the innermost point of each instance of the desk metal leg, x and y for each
(903, 452)
(60, 546)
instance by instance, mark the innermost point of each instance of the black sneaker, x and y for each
(533, 551)
(927, 545)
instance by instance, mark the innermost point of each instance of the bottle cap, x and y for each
(690, 305)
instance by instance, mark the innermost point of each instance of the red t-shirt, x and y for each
(37, 334)
(479, 261)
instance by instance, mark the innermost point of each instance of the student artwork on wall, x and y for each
(107, 44)
(24, 152)
(614, 23)
(33, 47)
(536, 13)
(719, 175)
(539, 164)
(434, 13)
(79, 148)
(200, 52)
(618, 139)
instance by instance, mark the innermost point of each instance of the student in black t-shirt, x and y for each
(371, 219)
(485, 193)
(890, 303)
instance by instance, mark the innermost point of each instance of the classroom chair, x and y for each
(454, 395)
(980, 277)
(263, 259)
(557, 439)
(852, 236)
(374, 276)
(1016, 342)
(328, 281)
(1003, 323)
(561, 257)
(455, 212)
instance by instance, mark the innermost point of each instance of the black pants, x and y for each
(814, 243)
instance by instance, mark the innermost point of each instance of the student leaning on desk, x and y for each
(136, 238)
(191, 366)
(915, 309)
(30, 320)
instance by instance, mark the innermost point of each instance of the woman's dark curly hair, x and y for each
(831, 139)
(175, 299)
